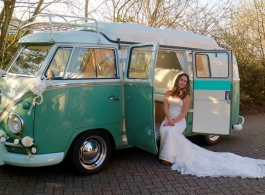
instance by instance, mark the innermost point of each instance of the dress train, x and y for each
(188, 158)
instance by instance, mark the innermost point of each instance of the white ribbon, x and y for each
(37, 87)
(30, 156)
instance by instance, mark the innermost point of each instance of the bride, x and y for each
(188, 158)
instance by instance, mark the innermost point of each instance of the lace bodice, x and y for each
(175, 106)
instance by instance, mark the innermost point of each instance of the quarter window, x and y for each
(59, 62)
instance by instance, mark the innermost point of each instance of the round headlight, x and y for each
(15, 123)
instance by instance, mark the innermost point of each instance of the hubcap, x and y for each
(92, 152)
(213, 137)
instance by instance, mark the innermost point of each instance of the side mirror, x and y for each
(50, 75)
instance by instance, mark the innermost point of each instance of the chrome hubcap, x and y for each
(213, 137)
(92, 152)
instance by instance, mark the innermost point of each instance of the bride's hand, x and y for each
(171, 122)
(165, 124)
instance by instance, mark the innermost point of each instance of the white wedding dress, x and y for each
(188, 158)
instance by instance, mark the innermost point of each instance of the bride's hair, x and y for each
(181, 92)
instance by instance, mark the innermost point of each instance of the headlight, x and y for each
(15, 123)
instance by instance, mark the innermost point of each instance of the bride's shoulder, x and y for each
(187, 98)
(168, 93)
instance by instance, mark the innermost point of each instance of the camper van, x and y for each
(78, 89)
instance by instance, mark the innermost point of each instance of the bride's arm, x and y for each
(185, 109)
(165, 108)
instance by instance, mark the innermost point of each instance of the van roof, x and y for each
(108, 32)
(168, 37)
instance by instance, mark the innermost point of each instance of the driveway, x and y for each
(133, 171)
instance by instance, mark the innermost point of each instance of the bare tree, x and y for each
(155, 13)
(5, 18)
(33, 8)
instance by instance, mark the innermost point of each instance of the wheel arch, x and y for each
(76, 135)
(90, 151)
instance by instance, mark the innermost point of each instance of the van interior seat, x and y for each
(164, 80)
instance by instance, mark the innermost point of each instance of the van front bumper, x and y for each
(38, 160)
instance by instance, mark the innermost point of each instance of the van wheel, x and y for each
(210, 139)
(90, 152)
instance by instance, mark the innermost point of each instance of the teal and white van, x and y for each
(80, 88)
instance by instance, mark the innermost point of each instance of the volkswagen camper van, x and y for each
(81, 88)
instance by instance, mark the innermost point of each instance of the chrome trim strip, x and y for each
(52, 86)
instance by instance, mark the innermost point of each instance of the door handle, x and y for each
(113, 97)
(228, 96)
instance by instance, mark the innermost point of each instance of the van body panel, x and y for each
(212, 85)
(235, 102)
(140, 116)
(72, 108)
(13, 88)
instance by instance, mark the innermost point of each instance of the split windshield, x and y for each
(29, 60)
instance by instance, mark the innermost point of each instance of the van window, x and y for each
(59, 61)
(202, 65)
(92, 63)
(30, 60)
(139, 66)
(214, 65)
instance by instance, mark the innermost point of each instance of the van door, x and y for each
(139, 96)
(212, 85)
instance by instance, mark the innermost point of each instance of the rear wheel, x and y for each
(210, 139)
(90, 152)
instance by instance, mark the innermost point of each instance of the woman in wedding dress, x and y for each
(188, 158)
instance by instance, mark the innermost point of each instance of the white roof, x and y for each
(141, 34)
(69, 32)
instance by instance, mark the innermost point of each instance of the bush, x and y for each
(252, 83)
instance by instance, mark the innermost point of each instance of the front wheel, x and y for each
(210, 139)
(90, 152)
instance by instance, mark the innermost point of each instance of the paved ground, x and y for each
(133, 171)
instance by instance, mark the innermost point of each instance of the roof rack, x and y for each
(54, 22)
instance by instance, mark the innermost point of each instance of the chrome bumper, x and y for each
(239, 125)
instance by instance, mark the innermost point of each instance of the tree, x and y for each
(154, 13)
(246, 37)
(5, 18)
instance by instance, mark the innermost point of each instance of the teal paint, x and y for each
(212, 85)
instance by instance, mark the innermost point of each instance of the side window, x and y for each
(214, 65)
(92, 63)
(202, 65)
(140, 62)
(59, 62)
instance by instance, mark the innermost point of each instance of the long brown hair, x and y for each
(178, 92)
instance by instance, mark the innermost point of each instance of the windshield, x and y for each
(29, 60)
